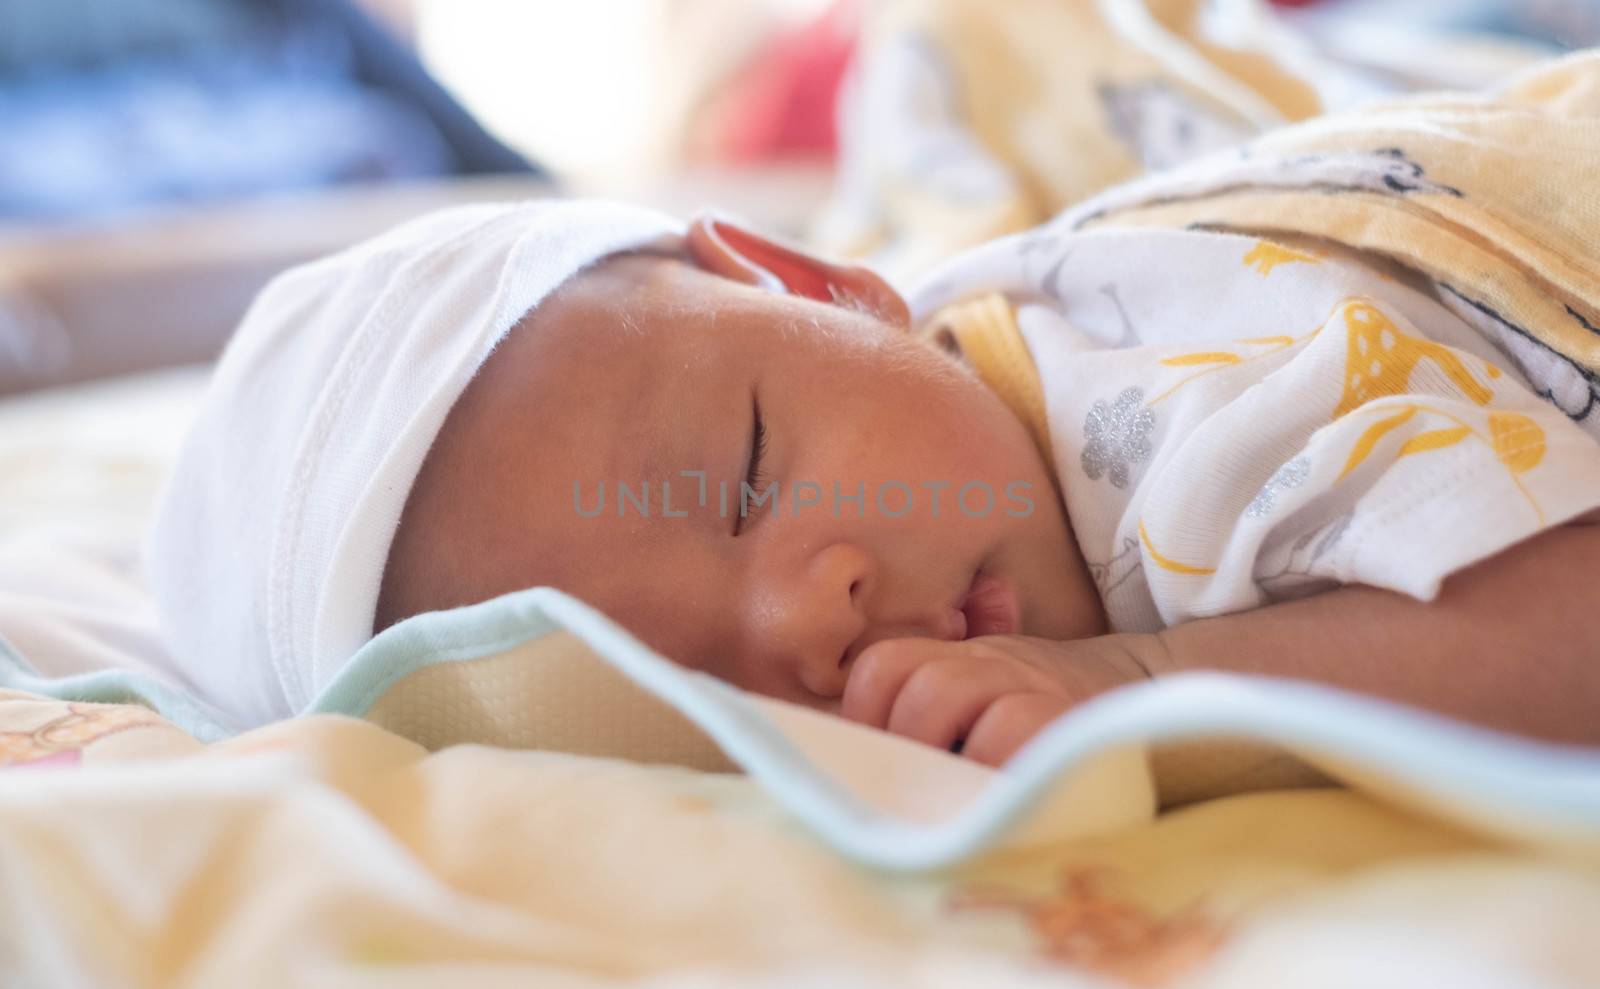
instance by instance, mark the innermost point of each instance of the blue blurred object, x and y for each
(1558, 24)
(1561, 23)
(108, 106)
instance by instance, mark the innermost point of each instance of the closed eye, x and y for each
(753, 475)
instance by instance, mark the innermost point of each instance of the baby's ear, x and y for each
(743, 255)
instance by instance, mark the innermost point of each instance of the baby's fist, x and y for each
(983, 697)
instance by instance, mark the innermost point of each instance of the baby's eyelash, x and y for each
(753, 475)
(758, 450)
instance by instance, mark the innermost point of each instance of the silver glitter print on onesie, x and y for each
(1290, 475)
(1117, 436)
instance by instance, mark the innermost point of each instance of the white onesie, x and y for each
(1236, 421)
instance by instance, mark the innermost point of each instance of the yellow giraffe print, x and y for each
(1517, 440)
(1211, 361)
(1379, 361)
(1266, 256)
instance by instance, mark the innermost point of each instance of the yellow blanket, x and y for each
(1492, 197)
(328, 851)
(972, 119)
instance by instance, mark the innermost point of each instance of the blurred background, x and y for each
(160, 159)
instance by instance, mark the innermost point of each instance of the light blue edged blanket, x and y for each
(540, 669)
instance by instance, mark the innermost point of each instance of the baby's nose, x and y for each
(827, 615)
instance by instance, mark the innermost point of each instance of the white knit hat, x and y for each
(271, 537)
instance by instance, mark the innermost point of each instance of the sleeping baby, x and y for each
(1322, 408)
(1073, 461)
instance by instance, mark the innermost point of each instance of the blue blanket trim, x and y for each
(1525, 787)
(116, 687)
(1528, 786)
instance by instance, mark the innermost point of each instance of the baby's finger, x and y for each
(943, 698)
(879, 673)
(1009, 723)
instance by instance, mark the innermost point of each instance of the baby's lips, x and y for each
(991, 607)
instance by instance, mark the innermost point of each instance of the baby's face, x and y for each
(647, 369)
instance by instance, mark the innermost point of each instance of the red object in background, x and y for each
(781, 104)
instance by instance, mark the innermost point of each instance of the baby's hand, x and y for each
(987, 696)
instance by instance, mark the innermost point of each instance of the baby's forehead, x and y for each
(651, 277)
(606, 368)
(640, 317)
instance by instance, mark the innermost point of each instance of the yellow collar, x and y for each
(985, 328)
